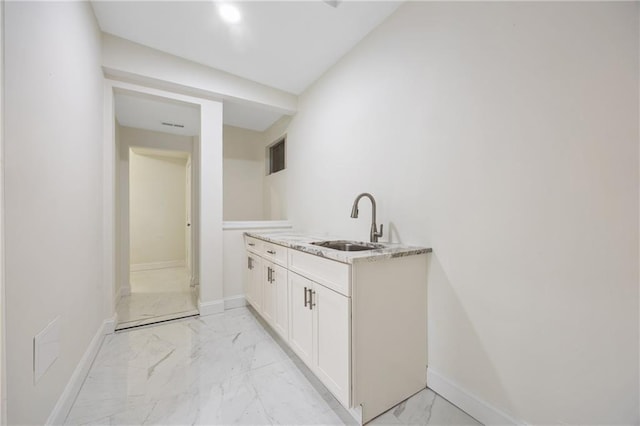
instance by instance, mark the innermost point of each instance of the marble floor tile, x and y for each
(220, 370)
(424, 408)
(157, 295)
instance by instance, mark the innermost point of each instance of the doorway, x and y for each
(156, 203)
(159, 239)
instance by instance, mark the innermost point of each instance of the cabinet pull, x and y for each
(305, 297)
(269, 273)
(271, 252)
(311, 304)
(249, 263)
(252, 244)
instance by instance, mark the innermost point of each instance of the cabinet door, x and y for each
(253, 290)
(300, 318)
(332, 315)
(268, 293)
(281, 313)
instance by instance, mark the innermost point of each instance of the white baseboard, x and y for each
(70, 392)
(466, 401)
(210, 308)
(234, 302)
(157, 265)
(109, 325)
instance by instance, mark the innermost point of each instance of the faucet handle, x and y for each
(379, 234)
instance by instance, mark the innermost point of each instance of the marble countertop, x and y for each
(303, 243)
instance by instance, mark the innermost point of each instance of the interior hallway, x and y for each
(221, 369)
(157, 295)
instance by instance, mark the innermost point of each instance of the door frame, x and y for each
(123, 231)
(208, 181)
(3, 356)
(190, 203)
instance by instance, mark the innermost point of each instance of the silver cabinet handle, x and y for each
(311, 304)
(268, 274)
(305, 297)
(252, 244)
(249, 263)
(271, 252)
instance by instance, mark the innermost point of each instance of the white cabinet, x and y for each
(266, 284)
(301, 318)
(332, 325)
(275, 305)
(274, 253)
(320, 332)
(360, 327)
(281, 296)
(253, 288)
(268, 294)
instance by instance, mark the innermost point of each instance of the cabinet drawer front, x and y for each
(275, 253)
(253, 245)
(334, 275)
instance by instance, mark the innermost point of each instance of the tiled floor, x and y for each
(157, 295)
(220, 369)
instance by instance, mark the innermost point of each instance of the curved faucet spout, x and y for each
(374, 235)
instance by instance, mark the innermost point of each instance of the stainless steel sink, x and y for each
(343, 245)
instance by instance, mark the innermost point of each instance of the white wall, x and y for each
(243, 174)
(235, 255)
(53, 194)
(157, 205)
(275, 185)
(505, 136)
(210, 210)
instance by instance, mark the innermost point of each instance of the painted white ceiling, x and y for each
(149, 113)
(283, 44)
(248, 117)
(286, 45)
(161, 153)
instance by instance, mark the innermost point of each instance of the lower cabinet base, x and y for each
(359, 330)
(354, 412)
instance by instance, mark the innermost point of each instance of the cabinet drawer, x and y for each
(275, 253)
(253, 245)
(331, 274)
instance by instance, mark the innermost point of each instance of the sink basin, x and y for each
(348, 245)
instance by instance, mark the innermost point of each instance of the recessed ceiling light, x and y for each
(229, 13)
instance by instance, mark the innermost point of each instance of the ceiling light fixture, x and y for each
(229, 13)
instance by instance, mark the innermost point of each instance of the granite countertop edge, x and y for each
(302, 242)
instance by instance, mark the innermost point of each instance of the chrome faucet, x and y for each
(354, 214)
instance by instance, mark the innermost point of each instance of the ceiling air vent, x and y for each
(164, 123)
